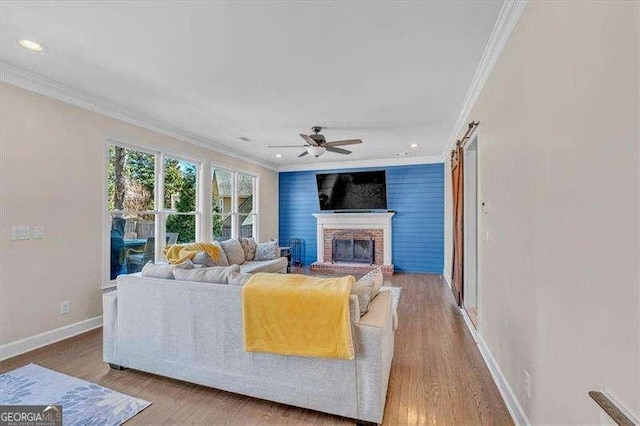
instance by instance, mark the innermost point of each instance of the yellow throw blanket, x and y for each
(291, 314)
(179, 253)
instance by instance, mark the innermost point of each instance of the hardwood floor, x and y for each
(437, 375)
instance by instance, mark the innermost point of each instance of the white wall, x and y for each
(52, 161)
(559, 168)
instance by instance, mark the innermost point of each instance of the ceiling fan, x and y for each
(317, 145)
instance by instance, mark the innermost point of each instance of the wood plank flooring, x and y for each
(437, 375)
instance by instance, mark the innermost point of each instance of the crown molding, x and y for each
(403, 161)
(28, 80)
(502, 30)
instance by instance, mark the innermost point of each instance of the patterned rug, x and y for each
(82, 402)
(395, 295)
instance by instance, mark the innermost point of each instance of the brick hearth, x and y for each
(350, 268)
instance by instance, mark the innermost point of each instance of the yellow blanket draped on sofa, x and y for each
(291, 314)
(179, 253)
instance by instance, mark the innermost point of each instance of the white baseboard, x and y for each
(447, 279)
(511, 401)
(27, 344)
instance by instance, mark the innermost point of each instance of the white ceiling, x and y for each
(390, 73)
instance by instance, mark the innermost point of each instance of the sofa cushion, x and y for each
(255, 266)
(249, 247)
(233, 250)
(266, 251)
(217, 274)
(163, 270)
(241, 279)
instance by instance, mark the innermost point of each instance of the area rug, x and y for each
(83, 403)
(395, 295)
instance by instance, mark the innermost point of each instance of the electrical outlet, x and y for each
(527, 383)
(37, 232)
(20, 232)
(65, 307)
(485, 236)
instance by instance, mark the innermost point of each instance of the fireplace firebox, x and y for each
(351, 247)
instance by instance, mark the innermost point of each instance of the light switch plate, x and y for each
(20, 232)
(37, 232)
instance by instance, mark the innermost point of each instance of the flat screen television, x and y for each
(352, 191)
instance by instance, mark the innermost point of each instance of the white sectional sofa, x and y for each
(278, 266)
(194, 332)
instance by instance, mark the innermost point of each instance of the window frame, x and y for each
(235, 215)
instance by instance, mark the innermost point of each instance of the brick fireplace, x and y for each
(356, 226)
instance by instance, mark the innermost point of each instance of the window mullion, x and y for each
(159, 205)
(234, 205)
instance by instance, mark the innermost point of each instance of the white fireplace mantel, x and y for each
(355, 221)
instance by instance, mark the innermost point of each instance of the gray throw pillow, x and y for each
(163, 270)
(249, 247)
(216, 275)
(234, 252)
(222, 261)
(203, 258)
(266, 251)
(241, 279)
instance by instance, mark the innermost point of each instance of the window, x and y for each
(142, 211)
(155, 199)
(246, 211)
(222, 184)
(132, 212)
(180, 206)
(233, 204)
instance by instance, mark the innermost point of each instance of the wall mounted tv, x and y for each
(352, 191)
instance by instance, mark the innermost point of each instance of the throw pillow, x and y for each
(374, 277)
(222, 260)
(163, 270)
(266, 251)
(363, 291)
(233, 250)
(249, 247)
(203, 258)
(241, 279)
(216, 275)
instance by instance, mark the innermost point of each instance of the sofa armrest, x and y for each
(377, 314)
(374, 351)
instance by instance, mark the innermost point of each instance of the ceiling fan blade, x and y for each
(337, 150)
(303, 154)
(286, 146)
(344, 142)
(308, 139)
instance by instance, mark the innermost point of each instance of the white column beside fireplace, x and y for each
(354, 221)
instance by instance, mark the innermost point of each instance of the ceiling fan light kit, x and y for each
(317, 145)
(316, 151)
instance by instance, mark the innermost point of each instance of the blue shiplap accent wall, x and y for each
(415, 193)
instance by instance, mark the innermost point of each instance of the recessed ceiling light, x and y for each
(32, 45)
(414, 145)
(278, 155)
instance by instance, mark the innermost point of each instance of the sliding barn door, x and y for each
(457, 185)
